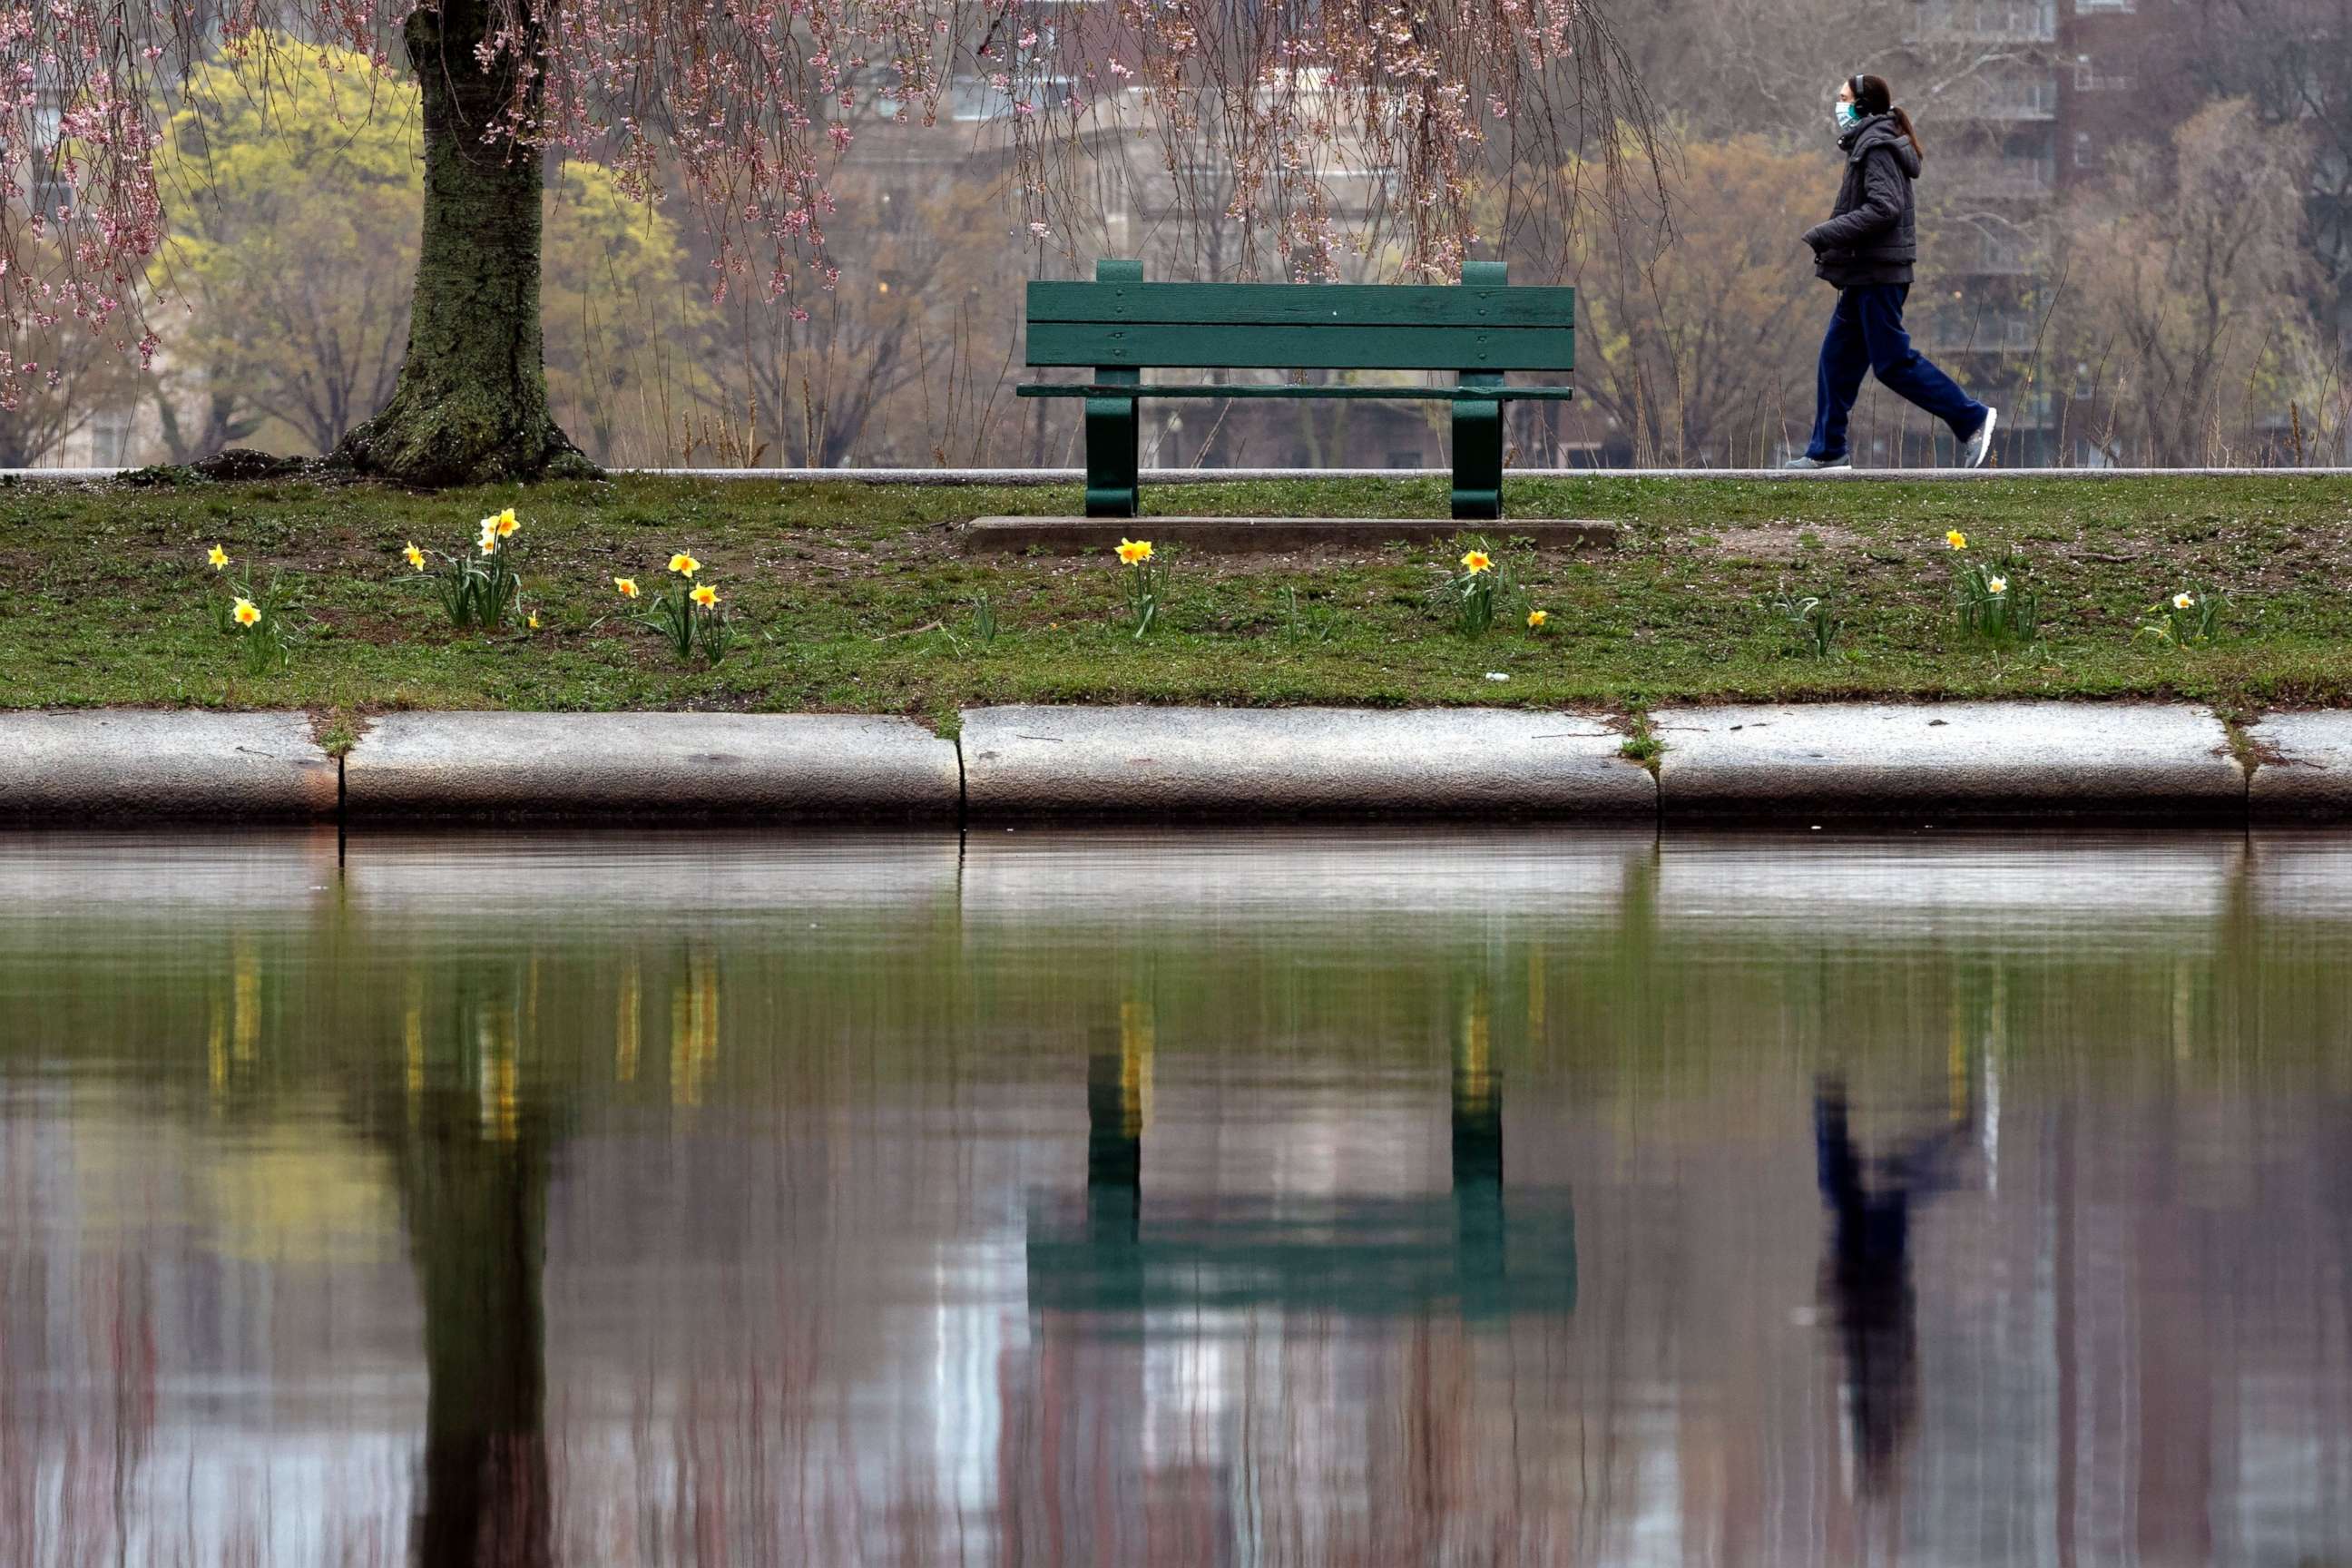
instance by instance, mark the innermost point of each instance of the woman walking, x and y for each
(1865, 250)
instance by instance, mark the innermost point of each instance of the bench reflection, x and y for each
(1480, 1251)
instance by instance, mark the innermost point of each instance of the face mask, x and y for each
(1843, 117)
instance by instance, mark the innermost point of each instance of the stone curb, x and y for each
(1152, 763)
(127, 764)
(2305, 771)
(782, 767)
(1248, 535)
(1949, 762)
(1956, 762)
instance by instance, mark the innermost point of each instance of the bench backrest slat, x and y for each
(1304, 326)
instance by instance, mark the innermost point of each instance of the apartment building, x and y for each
(2026, 100)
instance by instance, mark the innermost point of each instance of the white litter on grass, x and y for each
(1496, 675)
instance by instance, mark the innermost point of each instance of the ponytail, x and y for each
(1871, 95)
(1903, 123)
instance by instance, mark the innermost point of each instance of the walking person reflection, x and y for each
(1867, 1274)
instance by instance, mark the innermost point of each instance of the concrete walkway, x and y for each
(1234, 476)
(2026, 763)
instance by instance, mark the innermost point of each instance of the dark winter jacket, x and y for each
(1871, 235)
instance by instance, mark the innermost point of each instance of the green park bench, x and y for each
(1121, 326)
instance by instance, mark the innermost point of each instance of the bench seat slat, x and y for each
(1385, 393)
(1198, 346)
(1303, 304)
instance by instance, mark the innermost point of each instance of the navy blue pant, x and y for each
(1866, 334)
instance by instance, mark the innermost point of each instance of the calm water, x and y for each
(1512, 1198)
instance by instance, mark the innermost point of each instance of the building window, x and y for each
(2119, 7)
(110, 438)
(52, 193)
(2086, 150)
(1405, 459)
(2089, 77)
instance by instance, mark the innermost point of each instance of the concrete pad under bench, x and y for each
(1266, 535)
(135, 764)
(1948, 762)
(1151, 764)
(2304, 771)
(791, 767)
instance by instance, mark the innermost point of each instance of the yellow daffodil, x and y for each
(625, 586)
(416, 556)
(247, 612)
(217, 556)
(1477, 560)
(704, 595)
(1133, 552)
(1535, 619)
(2183, 601)
(506, 523)
(1996, 585)
(531, 620)
(685, 566)
(1956, 539)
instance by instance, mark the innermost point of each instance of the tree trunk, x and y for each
(471, 404)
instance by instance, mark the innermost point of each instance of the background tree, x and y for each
(630, 337)
(2291, 60)
(1698, 341)
(73, 373)
(296, 208)
(295, 235)
(2194, 284)
(875, 369)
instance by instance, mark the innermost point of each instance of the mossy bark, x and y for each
(471, 404)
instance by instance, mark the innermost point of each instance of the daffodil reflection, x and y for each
(627, 1022)
(693, 1030)
(1136, 1035)
(1474, 1055)
(496, 1066)
(216, 1048)
(245, 1038)
(412, 1037)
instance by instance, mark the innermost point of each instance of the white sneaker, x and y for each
(1979, 447)
(1806, 463)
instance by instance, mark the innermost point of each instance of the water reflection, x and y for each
(1867, 1273)
(1295, 1198)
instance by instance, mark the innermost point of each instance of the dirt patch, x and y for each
(1779, 542)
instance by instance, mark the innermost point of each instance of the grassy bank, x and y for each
(855, 597)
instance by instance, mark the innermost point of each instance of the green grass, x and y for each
(108, 601)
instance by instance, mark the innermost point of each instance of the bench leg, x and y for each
(1111, 448)
(1478, 456)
